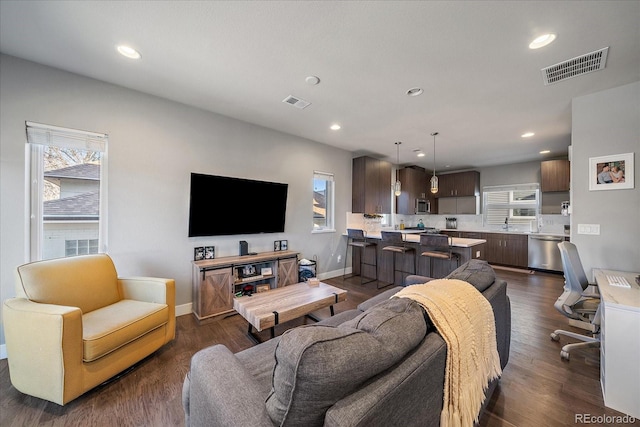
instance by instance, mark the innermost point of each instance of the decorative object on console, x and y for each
(276, 245)
(434, 178)
(266, 271)
(209, 252)
(262, 288)
(198, 253)
(397, 186)
(244, 248)
(249, 270)
(284, 245)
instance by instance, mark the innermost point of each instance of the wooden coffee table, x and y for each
(267, 309)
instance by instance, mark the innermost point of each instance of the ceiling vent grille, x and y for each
(577, 66)
(296, 102)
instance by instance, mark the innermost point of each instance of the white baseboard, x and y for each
(183, 309)
(334, 273)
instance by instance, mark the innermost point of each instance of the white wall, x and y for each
(154, 145)
(606, 123)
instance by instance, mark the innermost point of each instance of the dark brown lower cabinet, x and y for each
(507, 249)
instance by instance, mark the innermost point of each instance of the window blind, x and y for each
(42, 134)
(324, 176)
(519, 203)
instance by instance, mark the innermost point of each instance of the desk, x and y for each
(620, 342)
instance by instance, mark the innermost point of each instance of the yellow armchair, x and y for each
(74, 324)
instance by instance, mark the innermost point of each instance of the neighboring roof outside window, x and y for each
(89, 171)
(84, 207)
(319, 205)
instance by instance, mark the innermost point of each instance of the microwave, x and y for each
(422, 206)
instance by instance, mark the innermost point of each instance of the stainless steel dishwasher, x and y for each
(544, 253)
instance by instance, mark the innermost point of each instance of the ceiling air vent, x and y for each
(577, 66)
(296, 102)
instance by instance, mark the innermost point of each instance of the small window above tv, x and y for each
(221, 205)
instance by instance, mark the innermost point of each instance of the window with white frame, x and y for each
(67, 191)
(516, 204)
(323, 201)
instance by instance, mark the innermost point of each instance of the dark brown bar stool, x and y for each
(395, 243)
(437, 246)
(358, 239)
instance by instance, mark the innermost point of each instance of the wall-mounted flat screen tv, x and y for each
(221, 205)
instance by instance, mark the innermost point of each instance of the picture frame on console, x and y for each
(209, 252)
(284, 245)
(276, 245)
(198, 253)
(614, 172)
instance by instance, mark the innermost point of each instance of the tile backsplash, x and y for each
(548, 223)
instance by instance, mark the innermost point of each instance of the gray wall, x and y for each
(154, 145)
(603, 124)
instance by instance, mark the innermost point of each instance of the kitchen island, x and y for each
(466, 248)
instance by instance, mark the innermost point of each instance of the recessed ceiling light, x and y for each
(129, 52)
(447, 166)
(312, 80)
(545, 151)
(542, 41)
(335, 126)
(421, 154)
(415, 91)
(527, 135)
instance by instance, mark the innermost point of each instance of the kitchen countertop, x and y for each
(412, 236)
(541, 233)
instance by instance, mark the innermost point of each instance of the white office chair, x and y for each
(575, 302)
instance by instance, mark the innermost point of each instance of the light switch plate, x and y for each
(592, 229)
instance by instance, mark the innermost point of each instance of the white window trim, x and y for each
(330, 228)
(39, 135)
(512, 204)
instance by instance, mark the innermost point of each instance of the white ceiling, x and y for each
(482, 85)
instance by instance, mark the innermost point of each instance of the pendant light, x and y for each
(397, 186)
(434, 178)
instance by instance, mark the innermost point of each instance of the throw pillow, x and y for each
(477, 272)
(318, 365)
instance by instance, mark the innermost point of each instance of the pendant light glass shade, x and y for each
(434, 184)
(397, 186)
(434, 178)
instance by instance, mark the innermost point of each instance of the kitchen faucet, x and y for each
(506, 224)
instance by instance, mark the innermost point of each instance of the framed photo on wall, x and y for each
(613, 172)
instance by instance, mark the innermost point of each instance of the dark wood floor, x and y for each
(537, 388)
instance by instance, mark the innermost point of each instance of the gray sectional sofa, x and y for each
(381, 364)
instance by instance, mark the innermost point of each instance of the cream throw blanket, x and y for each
(464, 319)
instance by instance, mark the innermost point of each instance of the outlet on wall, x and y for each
(593, 229)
